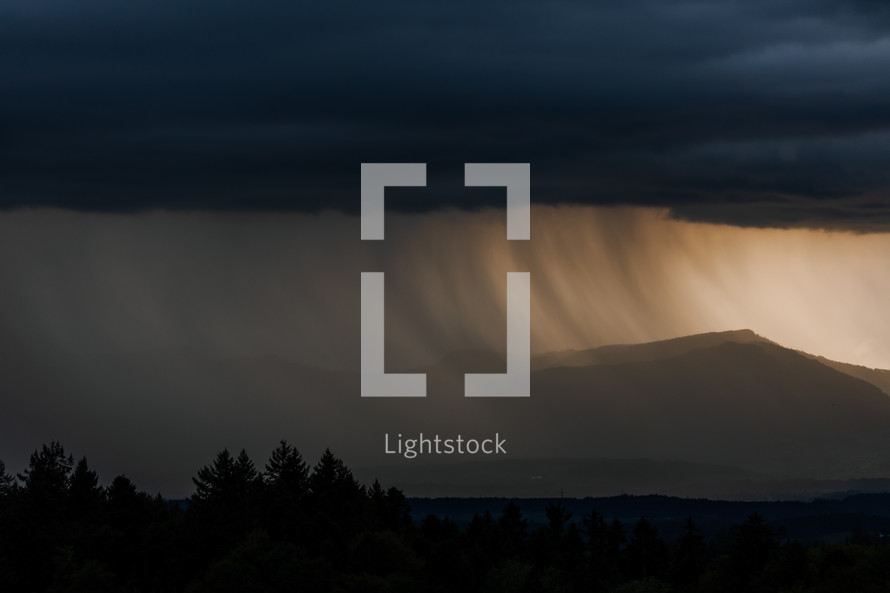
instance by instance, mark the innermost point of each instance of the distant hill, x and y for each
(880, 378)
(621, 353)
(818, 520)
(555, 477)
(752, 404)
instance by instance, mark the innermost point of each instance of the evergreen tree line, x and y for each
(291, 527)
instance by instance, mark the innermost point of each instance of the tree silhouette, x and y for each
(47, 478)
(7, 529)
(226, 503)
(646, 552)
(559, 550)
(690, 556)
(447, 561)
(60, 531)
(39, 527)
(121, 494)
(84, 493)
(617, 537)
(513, 531)
(6, 482)
(557, 517)
(754, 544)
(258, 564)
(286, 480)
(145, 547)
(388, 509)
(227, 482)
(508, 576)
(286, 472)
(337, 505)
(331, 479)
(479, 543)
(74, 575)
(603, 551)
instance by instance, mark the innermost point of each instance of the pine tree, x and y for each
(122, 494)
(332, 480)
(287, 472)
(247, 479)
(337, 504)
(227, 502)
(557, 518)
(754, 543)
(228, 481)
(691, 555)
(647, 553)
(603, 550)
(388, 509)
(42, 504)
(131, 517)
(84, 492)
(6, 482)
(286, 480)
(46, 480)
(513, 531)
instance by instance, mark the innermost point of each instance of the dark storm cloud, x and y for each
(756, 113)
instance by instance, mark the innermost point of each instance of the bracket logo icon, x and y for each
(376, 382)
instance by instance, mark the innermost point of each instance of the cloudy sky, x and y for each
(179, 183)
(750, 112)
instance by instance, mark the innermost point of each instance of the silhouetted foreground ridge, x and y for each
(292, 527)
